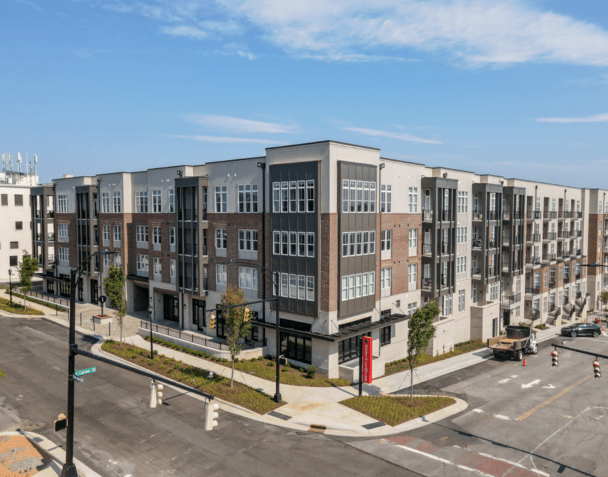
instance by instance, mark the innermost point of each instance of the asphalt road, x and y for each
(117, 434)
(551, 421)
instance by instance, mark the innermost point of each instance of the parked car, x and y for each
(582, 329)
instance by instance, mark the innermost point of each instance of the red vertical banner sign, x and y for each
(366, 369)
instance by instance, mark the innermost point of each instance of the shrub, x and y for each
(236, 360)
(287, 365)
(260, 358)
(284, 370)
(166, 361)
(151, 362)
(270, 365)
(253, 359)
(224, 360)
(311, 371)
(155, 352)
(170, 371)
(162, 366)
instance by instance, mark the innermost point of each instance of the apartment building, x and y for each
(359, 242)
(597, 278)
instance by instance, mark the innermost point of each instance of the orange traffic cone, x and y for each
(524, 362)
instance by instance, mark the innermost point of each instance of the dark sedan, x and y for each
(582, 329)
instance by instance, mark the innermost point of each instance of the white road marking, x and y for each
(477, 410)
(445, 461)
(515, 464)
(568, 417)
(506, 380)
(499, 416)
(550, 386)
(529, 385)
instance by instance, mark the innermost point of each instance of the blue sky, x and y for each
(515, 88)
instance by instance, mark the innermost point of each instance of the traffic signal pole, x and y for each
(597, 355)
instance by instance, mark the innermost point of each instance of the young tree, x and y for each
(115, 289)
(421, 331)
(237, 322)
(27, 268)
(604, 297)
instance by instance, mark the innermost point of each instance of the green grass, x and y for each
(396, 410)
(2, 373)
(264, 369)
(39, 302)
(460, 348)
(195, 377)
(17, 308)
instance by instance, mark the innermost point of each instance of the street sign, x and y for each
(84, 372)
(366, 372)
(102, 299)
(77, 378)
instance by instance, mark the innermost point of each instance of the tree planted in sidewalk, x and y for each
(604, 297)
(27, 268)
(420, 333)
(115, 289)
(236, 321)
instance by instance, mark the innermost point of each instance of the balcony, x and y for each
(492, 215)
(50, 214)
(427, 215)
(50, 237)
(533, 238)
(551, 285)
(576, 233)
(446, 215)
(518, 240)
(579, 252)
(552, 307)
(533, 291)
(476, 272)
(533, 314)
(493, 271)
(444, 249)
(565, 255)
(427, 284)
(427, 249)
(443, 282)
(550, 236)
(516, 265)
(550, 214)
(577, 276)
(491, 243)
(518, 215)
(533, 260)
(567, 214)
(534, 214)
(549, 257)
(565, 234)
(578, 215)
(476, 244)
(506, 215)
(477, 215)
(511, 299)
(566, 278)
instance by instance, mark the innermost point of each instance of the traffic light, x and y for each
(596, 369)
(211, 415)
(61, 423)
(156, 394)
(555, 357)
(212, 320)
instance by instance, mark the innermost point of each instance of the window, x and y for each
(171, 200)
(293, 245)
(276, 197)
(221, 200)
(117, 203)
(157, 267)
(412, 274)
(411, 308)
(221, 274)
(172, 236)
(284, 196)
(345, 244)
(141, 233)
(248, 198)
(106, 233)
(494, 292)
(356, 286)
(301, 287)
(141, 202)
(248, 240)
(372, 242)
(117, 233)
(63, 231)
(63, 204)
(460, 301)
(385, 278)
(117, 260)
(301, 196)
(310, 288)
(156, 201)
(276, 243)
(284, 284)
(413, 243)
(293, 196)
(372, 197)
(14, 260)
(385, 198)
(64, 254)
(14, 245)
(386, 239)
(461, 264)
(293, 286)
(447, 305)
(221, 238)
(248, 278)
(385, 336)
(5, 202)
(296, 347)
(365, 196)
(156, 235)
(172, 268)
(463, 202)
(284, 243)
(310, 187)
(18, 199)
(413, 200)
(142, 263)
(474, 294)
(105, 202)
(365, 243)
(461, 235)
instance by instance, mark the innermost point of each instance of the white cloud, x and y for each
(226, 139)
(598, 118)
(239, 125)
(187, 31)
(393, 135)
(118, 7)
(477, 32)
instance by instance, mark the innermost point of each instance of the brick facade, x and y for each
(329, 252)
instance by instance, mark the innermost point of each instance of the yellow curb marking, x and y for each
(553, 398)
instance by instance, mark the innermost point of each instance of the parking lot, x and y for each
(521, 420)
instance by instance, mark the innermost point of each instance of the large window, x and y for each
(156, 201)
(106, 233)
(413, 241)
(413, 200)
(358, 243)
(348, 349)
(221, 238)
(221, 199)
(248, 198)
(301, 287)
(117, 233)
(412, 273)
(105, 202)
(358, 285)
(158, 269)
(248, 240)
(248, 278)
(171, 200)
(117, 205)
(142, 263)
(385, 278)
(64, 254)
(461, 235)
(385, 198)
(198, 313)
(293, 196)
(141, 233)
(386, 239)
(63, 204)
(221, 274)
(460, 301)
(141, 201)
(385, 336)
(463, 202)
(63, 231)
(156, 235)
(295, 347)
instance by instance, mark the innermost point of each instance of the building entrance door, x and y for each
(94, 291)
(171, 308)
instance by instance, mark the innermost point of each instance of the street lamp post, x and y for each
(151, 336)
(10, 286)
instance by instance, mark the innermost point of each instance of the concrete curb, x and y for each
(57, 454)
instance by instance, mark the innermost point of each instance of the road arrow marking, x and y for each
(550, 386)
(529, 385)
(506, 380)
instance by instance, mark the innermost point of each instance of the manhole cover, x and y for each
(462, 445)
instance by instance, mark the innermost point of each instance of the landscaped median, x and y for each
(395, 410)
(40, 302)
(218, 386)
(17, 308)
(460, 348)
(264, 368)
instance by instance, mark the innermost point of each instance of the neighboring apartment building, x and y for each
(359, 242)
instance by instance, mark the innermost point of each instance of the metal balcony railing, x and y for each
(511, 299)
(518, 215)
(577, 276)
(446, 215)
(566, 277)
(444, 249)
(550, 236)
(427, 283)
(578, 215)
(476, 243)
(579, 294)
(491, 243)
(493, 271)
(577, 233)
(579, 251)
(551, 284)
(565, 234)
(550, 214)
(533, 238)
(476, 271)
(533, 260)
(549, 257)
(534, 214)
(477, 216)
(492, 215)
(506, 215)
(534, 314)
(533, 290)
(427, 249)
(565, 254)
(567, 214)
(427, 215)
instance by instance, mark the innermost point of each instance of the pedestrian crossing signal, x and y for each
(61, 423)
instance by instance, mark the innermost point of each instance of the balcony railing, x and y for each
(550, 214)
(443, 281)
(427, 283)
(476, 243)
(566, 277)
(567, 214)
(476, 272)
(506, 215)
(516, 265)
(565, 234)
(565, 254)
(493, 271)
(511, 299)
(579, 251)
(427, 215)
(444, 248)
(551, 284)
(427, 249)
(534, 238)
(492, 215)
(51, 237)
(518, 215)
(552, 307)
(550, 236)
(534, 314)
(566, 300)
(577, 276)
(549, 257)
(446, 215)
(577, 233)
(491, 243)
(578, 215)
(533, 290)
(477, 216)
(533, 260)
(518, 240)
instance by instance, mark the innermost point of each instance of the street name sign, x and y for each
(84, 372)
(78, 378)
